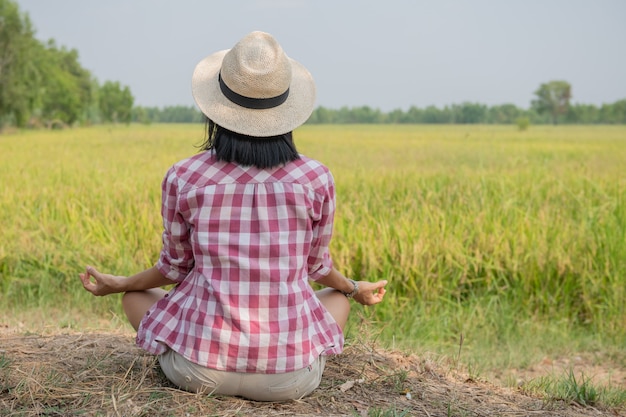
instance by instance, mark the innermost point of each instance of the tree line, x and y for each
(551, 105)
(44, 85)
(469, 113)
(465, 113)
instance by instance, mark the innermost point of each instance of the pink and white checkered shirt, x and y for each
(242, 243)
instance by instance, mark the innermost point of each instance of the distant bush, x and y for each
(522, 123)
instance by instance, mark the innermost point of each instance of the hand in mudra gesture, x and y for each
(370, 293)
(100, 284)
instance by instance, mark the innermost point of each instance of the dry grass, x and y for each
(104, 374)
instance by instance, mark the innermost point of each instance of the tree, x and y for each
(116, 102)
(322, 115)
(67, 90)
(504, 114)
(395, 116)
(39, 80)
(431, 114)
(366, 114)
(553, 98)
(469, 113)
(583, 114)
(17, 73)
(619, 111)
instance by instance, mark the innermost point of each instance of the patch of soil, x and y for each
(105, 374)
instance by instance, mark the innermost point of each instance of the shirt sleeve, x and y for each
(319, 262)
(176, 258)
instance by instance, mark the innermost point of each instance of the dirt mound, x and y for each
(104, 374)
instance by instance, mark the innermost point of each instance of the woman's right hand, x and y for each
(100, 284)
(370, 293)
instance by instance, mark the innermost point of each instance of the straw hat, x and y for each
(254, 88)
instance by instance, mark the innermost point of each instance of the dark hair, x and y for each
(261, 152)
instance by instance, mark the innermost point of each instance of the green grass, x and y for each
(580, 389)
(512, 240)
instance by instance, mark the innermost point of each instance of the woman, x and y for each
(247, 224)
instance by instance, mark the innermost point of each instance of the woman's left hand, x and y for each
(370, 293)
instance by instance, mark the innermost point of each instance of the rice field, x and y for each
(500, 246)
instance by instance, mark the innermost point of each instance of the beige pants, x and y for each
(259, 387)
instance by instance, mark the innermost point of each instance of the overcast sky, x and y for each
(384, 54)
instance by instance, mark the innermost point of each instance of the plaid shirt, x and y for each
(242, 244)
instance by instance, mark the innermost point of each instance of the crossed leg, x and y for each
(137, 303)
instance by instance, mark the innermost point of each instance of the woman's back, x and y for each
(243, 243)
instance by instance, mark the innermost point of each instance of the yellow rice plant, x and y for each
(479, 229)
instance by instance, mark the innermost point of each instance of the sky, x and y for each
(390, 54)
